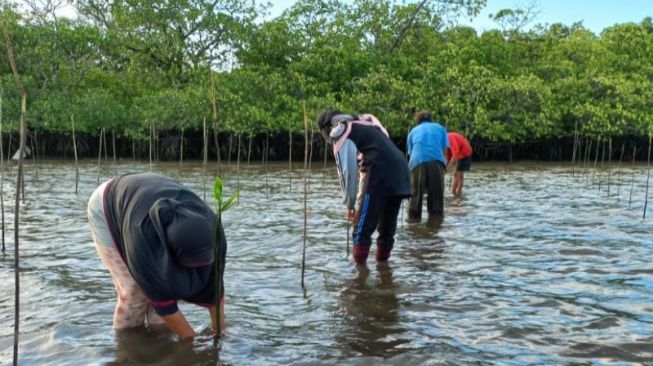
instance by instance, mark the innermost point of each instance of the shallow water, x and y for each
(530, 266)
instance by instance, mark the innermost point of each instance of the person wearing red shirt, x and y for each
(460, 151)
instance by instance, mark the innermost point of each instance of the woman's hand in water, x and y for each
(351, 215)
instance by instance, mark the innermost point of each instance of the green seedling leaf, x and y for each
(230, 202)
(217, 190)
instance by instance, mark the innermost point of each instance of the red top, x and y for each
(459, 147)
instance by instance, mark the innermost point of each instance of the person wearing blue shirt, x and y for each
(426, 146)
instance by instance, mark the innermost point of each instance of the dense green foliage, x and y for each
(125, 64)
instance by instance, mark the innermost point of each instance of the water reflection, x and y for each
(369, 310)
(157, 345)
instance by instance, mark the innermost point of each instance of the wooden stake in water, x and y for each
(2, 180)
(238, 166)
(231, 137)
(266, 154)
(72, 120)
(151, 133)
(249, 148)
(21, 147)
(206, 156)
(648, 176)
(113, 148)
(99, 158)
(573, 155)
(632, 181)
(305, 192)
(181, 148)
(289, 159)
(621, 159)
(609, 163)
(214, 116)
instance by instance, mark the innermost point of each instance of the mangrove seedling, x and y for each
(221, 205)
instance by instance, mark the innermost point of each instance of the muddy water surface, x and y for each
(530, 266)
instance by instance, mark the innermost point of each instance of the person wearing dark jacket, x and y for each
(156, 238)
(384, 185)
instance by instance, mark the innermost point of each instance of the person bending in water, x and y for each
(156, 239)
(460, 152)
(384, 185)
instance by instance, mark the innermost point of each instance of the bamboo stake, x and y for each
(588, 150)
(310, 151)
(632, 181)
(72, 120)
(214, 116)
(573, 155)
(609, 163)
(289, 159)
(348, 225)
(267, 158)
(35, 149)
(9, 144)
(238, 167)
(133, 149)
(151, 132)
(601, 165)
(181, 148)
(249, 149)
(23, 132)
(206, 156)
(99, 158)
(155, 134)
(104, 136)
(231, 137)
(621, 158)
(113, 148)
(596, 158)
(305, 192)
(2, 180)
(648, 176)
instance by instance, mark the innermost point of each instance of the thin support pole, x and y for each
(72, 120)
(238, 167)
(206, 157)
(648, 176)
(99, 158)
(632, 180)
(305, 192)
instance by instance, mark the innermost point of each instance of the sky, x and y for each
(595, 14)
